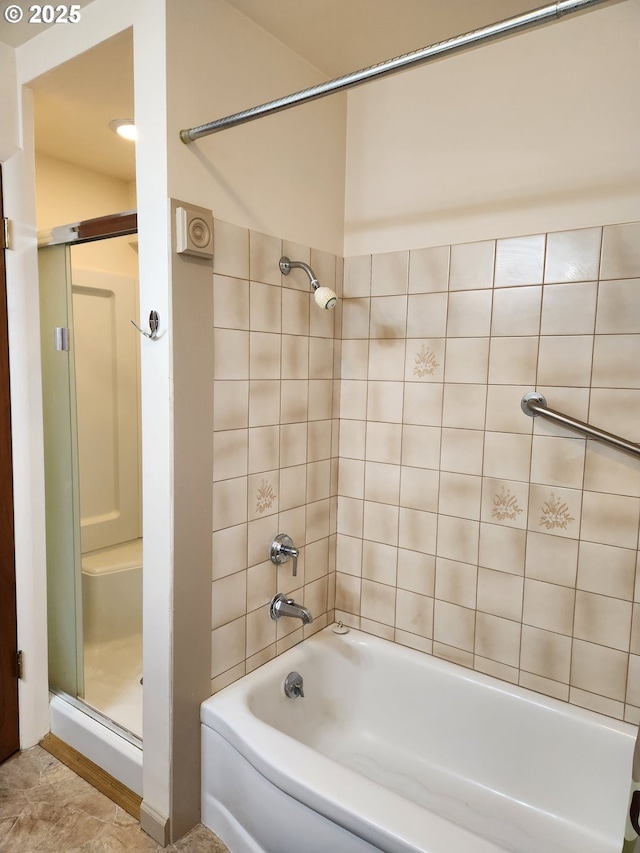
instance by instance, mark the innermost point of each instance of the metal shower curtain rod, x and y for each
(544, 14)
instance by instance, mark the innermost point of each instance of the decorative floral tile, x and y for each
(505, 505)
(425, 363)
(262, 495)
(505, 502)
(424, 360)
(265, 497)
(554, 510)
(555, 513)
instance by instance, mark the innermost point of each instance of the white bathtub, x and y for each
(394, 750)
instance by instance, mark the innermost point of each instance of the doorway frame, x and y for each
(9, 667)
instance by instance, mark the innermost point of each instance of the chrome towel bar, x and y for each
(534, 404)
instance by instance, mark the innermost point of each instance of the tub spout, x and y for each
(283, 606)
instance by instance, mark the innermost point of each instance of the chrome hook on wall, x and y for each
(154, 325)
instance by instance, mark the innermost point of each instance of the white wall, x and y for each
(279, 175)
(67, 193)
(8, 103)
(535, 133)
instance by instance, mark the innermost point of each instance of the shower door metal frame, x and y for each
(100, 228)
(62, 503)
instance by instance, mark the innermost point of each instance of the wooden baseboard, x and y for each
(94, 775)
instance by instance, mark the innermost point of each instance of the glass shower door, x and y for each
(64, 559)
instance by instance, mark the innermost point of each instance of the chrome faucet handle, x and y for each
(294, 686)
(281, 549)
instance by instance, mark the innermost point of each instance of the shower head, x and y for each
(324, 296)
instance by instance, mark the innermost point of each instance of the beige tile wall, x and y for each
(465, 528)
(275, 464)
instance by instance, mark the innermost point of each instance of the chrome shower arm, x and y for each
(324, 296)
(286, 265)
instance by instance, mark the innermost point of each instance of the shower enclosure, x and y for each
(91, 404)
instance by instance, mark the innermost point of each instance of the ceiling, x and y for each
(75, 101)
(19, 33)
(340, 36)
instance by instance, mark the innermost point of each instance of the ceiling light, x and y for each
(125, 127)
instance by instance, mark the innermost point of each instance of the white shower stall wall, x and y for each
(107, 380)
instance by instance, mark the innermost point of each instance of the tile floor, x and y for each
(46, 808)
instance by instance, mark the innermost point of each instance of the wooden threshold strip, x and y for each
(94, 775)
